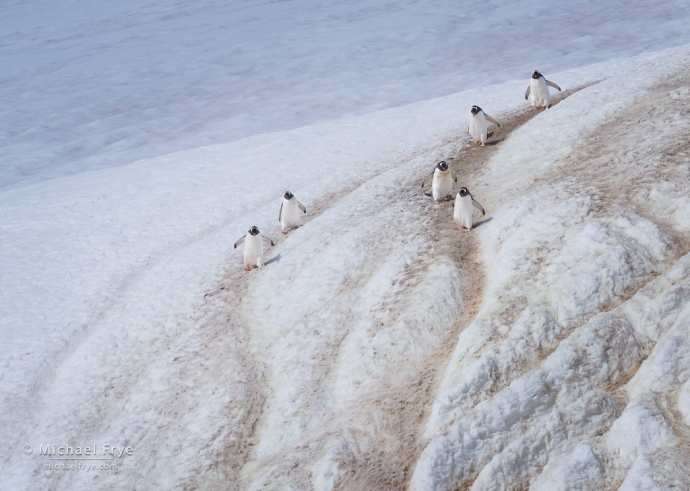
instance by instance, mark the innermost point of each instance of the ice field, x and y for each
(91, 84)
(380, 347)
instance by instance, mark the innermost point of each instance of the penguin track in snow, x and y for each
(462, 247)
(224, 324)
(621, 181)
(365, 463)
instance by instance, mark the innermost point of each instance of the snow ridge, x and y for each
(579, 253)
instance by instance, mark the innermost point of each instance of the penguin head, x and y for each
(442, 166)
(536, 75)
(464, 192)
(475, 110)
(288, 195)
(254, 230)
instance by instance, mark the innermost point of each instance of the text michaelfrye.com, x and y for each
(78, 466)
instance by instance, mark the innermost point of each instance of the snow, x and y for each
(584, 267)
(90, 85)
(640, 477)
(578, 470)
(370, 352)
(177, 225)
(640, 427)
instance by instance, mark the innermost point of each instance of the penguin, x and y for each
(539, 87)
(462, 213)
(442, 183)
(478, 125)
(288, 216)
(253, 248)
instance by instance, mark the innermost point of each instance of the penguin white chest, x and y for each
(539, 92)
(442, 184)
(290, 217)
(253, 251)
(479, 127)
(462, 211)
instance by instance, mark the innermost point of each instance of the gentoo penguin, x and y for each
(462, 213)
(289, 212)
(540, 91)
(478, 127)
(253, 248)
(442, 183)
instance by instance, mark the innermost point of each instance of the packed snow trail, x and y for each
(365, 329)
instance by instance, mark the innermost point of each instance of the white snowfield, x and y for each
(127, 318)
(92, 84)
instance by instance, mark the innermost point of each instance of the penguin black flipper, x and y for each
(280, 213)
(301, 207)
(241, 239)
(551, 84)
(268, 239)
(427, 194)
(476, 203)
(427, 177)
(527, 93)
(492, 120)
(454, 176)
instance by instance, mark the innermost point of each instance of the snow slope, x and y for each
(88, 85)
(365, 355)
(380, 348)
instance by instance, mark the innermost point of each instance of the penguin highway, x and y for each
(442, 179)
